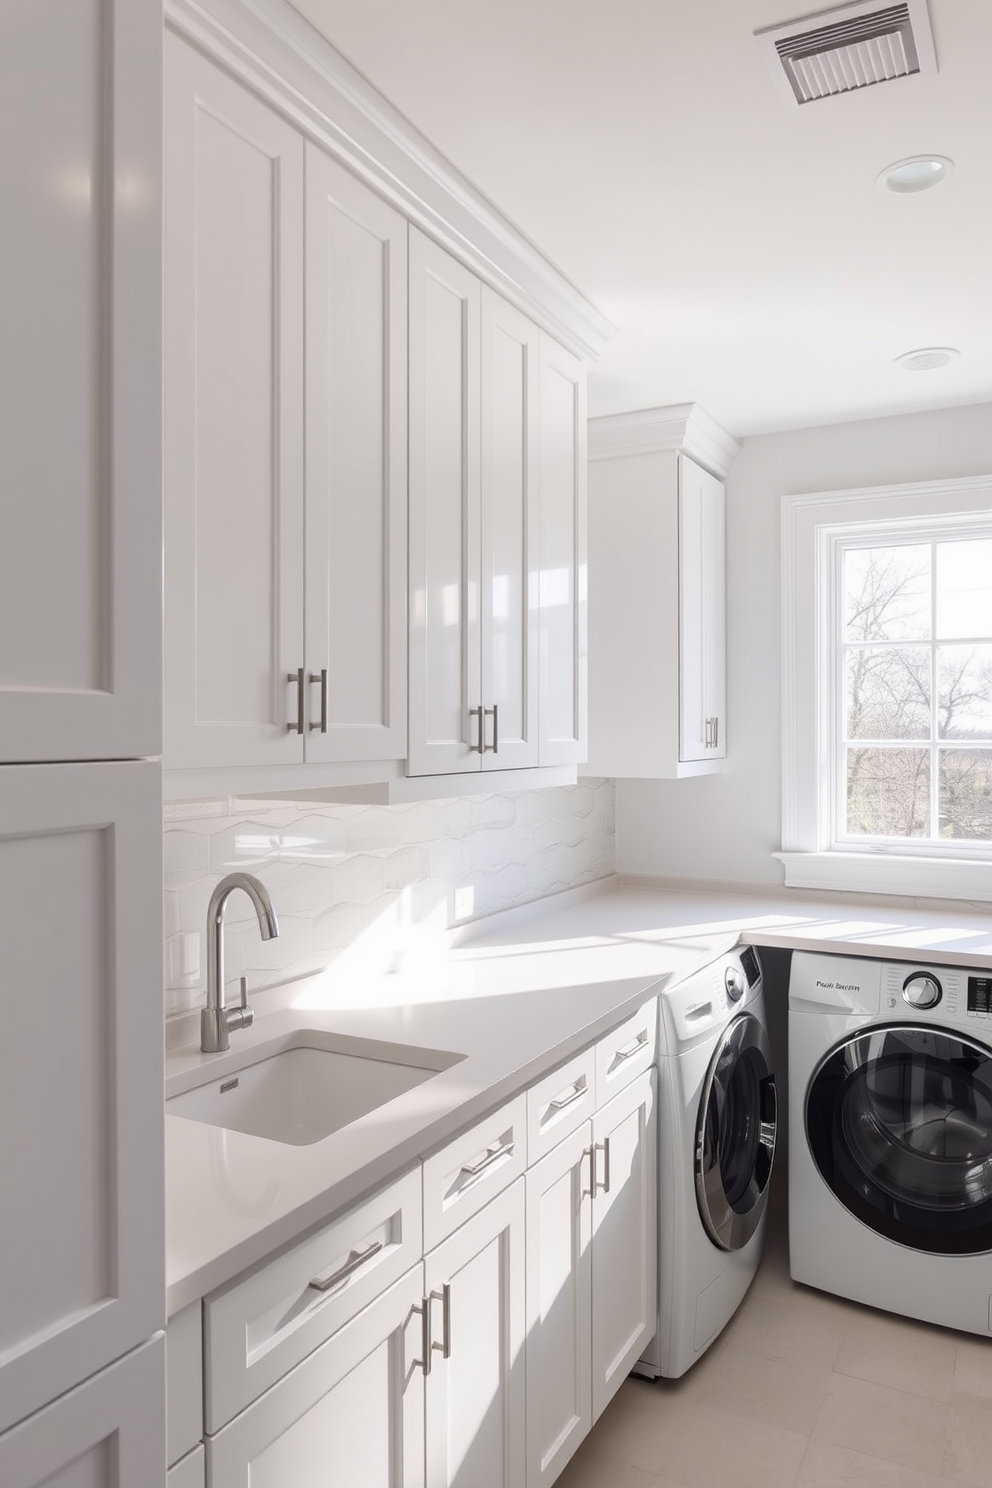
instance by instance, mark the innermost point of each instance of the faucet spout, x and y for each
(216, 1020)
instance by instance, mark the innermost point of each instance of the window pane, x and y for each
(964, 692)
(964, 589)
(888, 792)
(965, 780)
(887, 693)
(887, 593)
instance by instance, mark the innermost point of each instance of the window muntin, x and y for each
(912, 661)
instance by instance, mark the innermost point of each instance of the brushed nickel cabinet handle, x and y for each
(492, 713)
(444, 1297)
(321, 677)
(479, 748)
(356, 1259)
(299, 727)
(424, 1309)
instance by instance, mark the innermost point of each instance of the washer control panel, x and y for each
(980, 996)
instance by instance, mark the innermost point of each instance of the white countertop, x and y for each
(515, 995)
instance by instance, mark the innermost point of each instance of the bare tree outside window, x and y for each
(917, 715)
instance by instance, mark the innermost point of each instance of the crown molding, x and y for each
(270, 47)
(684, 427)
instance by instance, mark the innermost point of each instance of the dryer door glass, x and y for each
(899, 1123)
(735, 1135)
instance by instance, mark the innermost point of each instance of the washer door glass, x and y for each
(735, 1137)
(899, 1123)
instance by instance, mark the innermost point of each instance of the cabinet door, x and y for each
(350, 1416)
(702, 625)
(233, 421)
(562, 556)
(107, 1433)
(475, 1391)
(508, 596)
(445, 685)
(559, 1305)
(356, 286)
(624, 1245)
(82, 1225)
(80, 420)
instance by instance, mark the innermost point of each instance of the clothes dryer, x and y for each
(890, 1147)
(717, 1128)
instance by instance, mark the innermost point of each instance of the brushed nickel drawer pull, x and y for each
(479, 748)
(562, 1102)
(356, 1259)
(634, 1047)
(493, 1154)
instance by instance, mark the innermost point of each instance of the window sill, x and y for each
(888, 873)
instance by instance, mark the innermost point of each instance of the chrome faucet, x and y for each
(216, 1020)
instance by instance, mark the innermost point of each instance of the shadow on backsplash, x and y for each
(368, 883)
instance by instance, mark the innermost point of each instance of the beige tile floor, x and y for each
(803, 1390)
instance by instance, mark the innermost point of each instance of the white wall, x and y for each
(365, 885)
(726, 827)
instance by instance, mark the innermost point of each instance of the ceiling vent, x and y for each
(849, 48)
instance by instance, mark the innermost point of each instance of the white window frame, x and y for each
(813, 528)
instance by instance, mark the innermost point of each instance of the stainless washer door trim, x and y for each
(727, 1227)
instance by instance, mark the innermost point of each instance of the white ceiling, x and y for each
(742, 249)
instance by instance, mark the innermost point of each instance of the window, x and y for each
(887, 689)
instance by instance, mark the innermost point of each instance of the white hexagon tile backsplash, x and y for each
(367, 882)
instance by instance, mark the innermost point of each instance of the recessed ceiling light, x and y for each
(927, 358)
(918, 173)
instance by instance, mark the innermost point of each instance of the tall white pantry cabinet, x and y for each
(82, 1293)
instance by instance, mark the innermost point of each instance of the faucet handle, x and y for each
(241, 1016)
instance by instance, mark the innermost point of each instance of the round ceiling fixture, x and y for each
(927, 358)
(917, 173)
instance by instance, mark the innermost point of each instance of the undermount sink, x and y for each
(309, 1085)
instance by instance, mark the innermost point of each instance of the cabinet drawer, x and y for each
(262, 1325)
(627, 1051)
(559, 1103)
(472, 1169)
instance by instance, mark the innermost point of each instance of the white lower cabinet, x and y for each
(351, 1415)
(559, 1306)
(591, 1272)
(624, 1236)
(476, 1396)
(109, 1432)
(485, 1363)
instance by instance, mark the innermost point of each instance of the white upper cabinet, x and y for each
(233, 421)
(562, 579)
(702, 615)
(445, 647)
(356, 285)
(80, 429)
(497, 530)
(657, 634)
(285, 549)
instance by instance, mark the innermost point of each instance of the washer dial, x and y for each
(733, 980)
(921, 990)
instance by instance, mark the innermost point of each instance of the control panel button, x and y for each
(921, 990)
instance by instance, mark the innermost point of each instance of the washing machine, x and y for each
(717, 1125)
(890, 1135)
